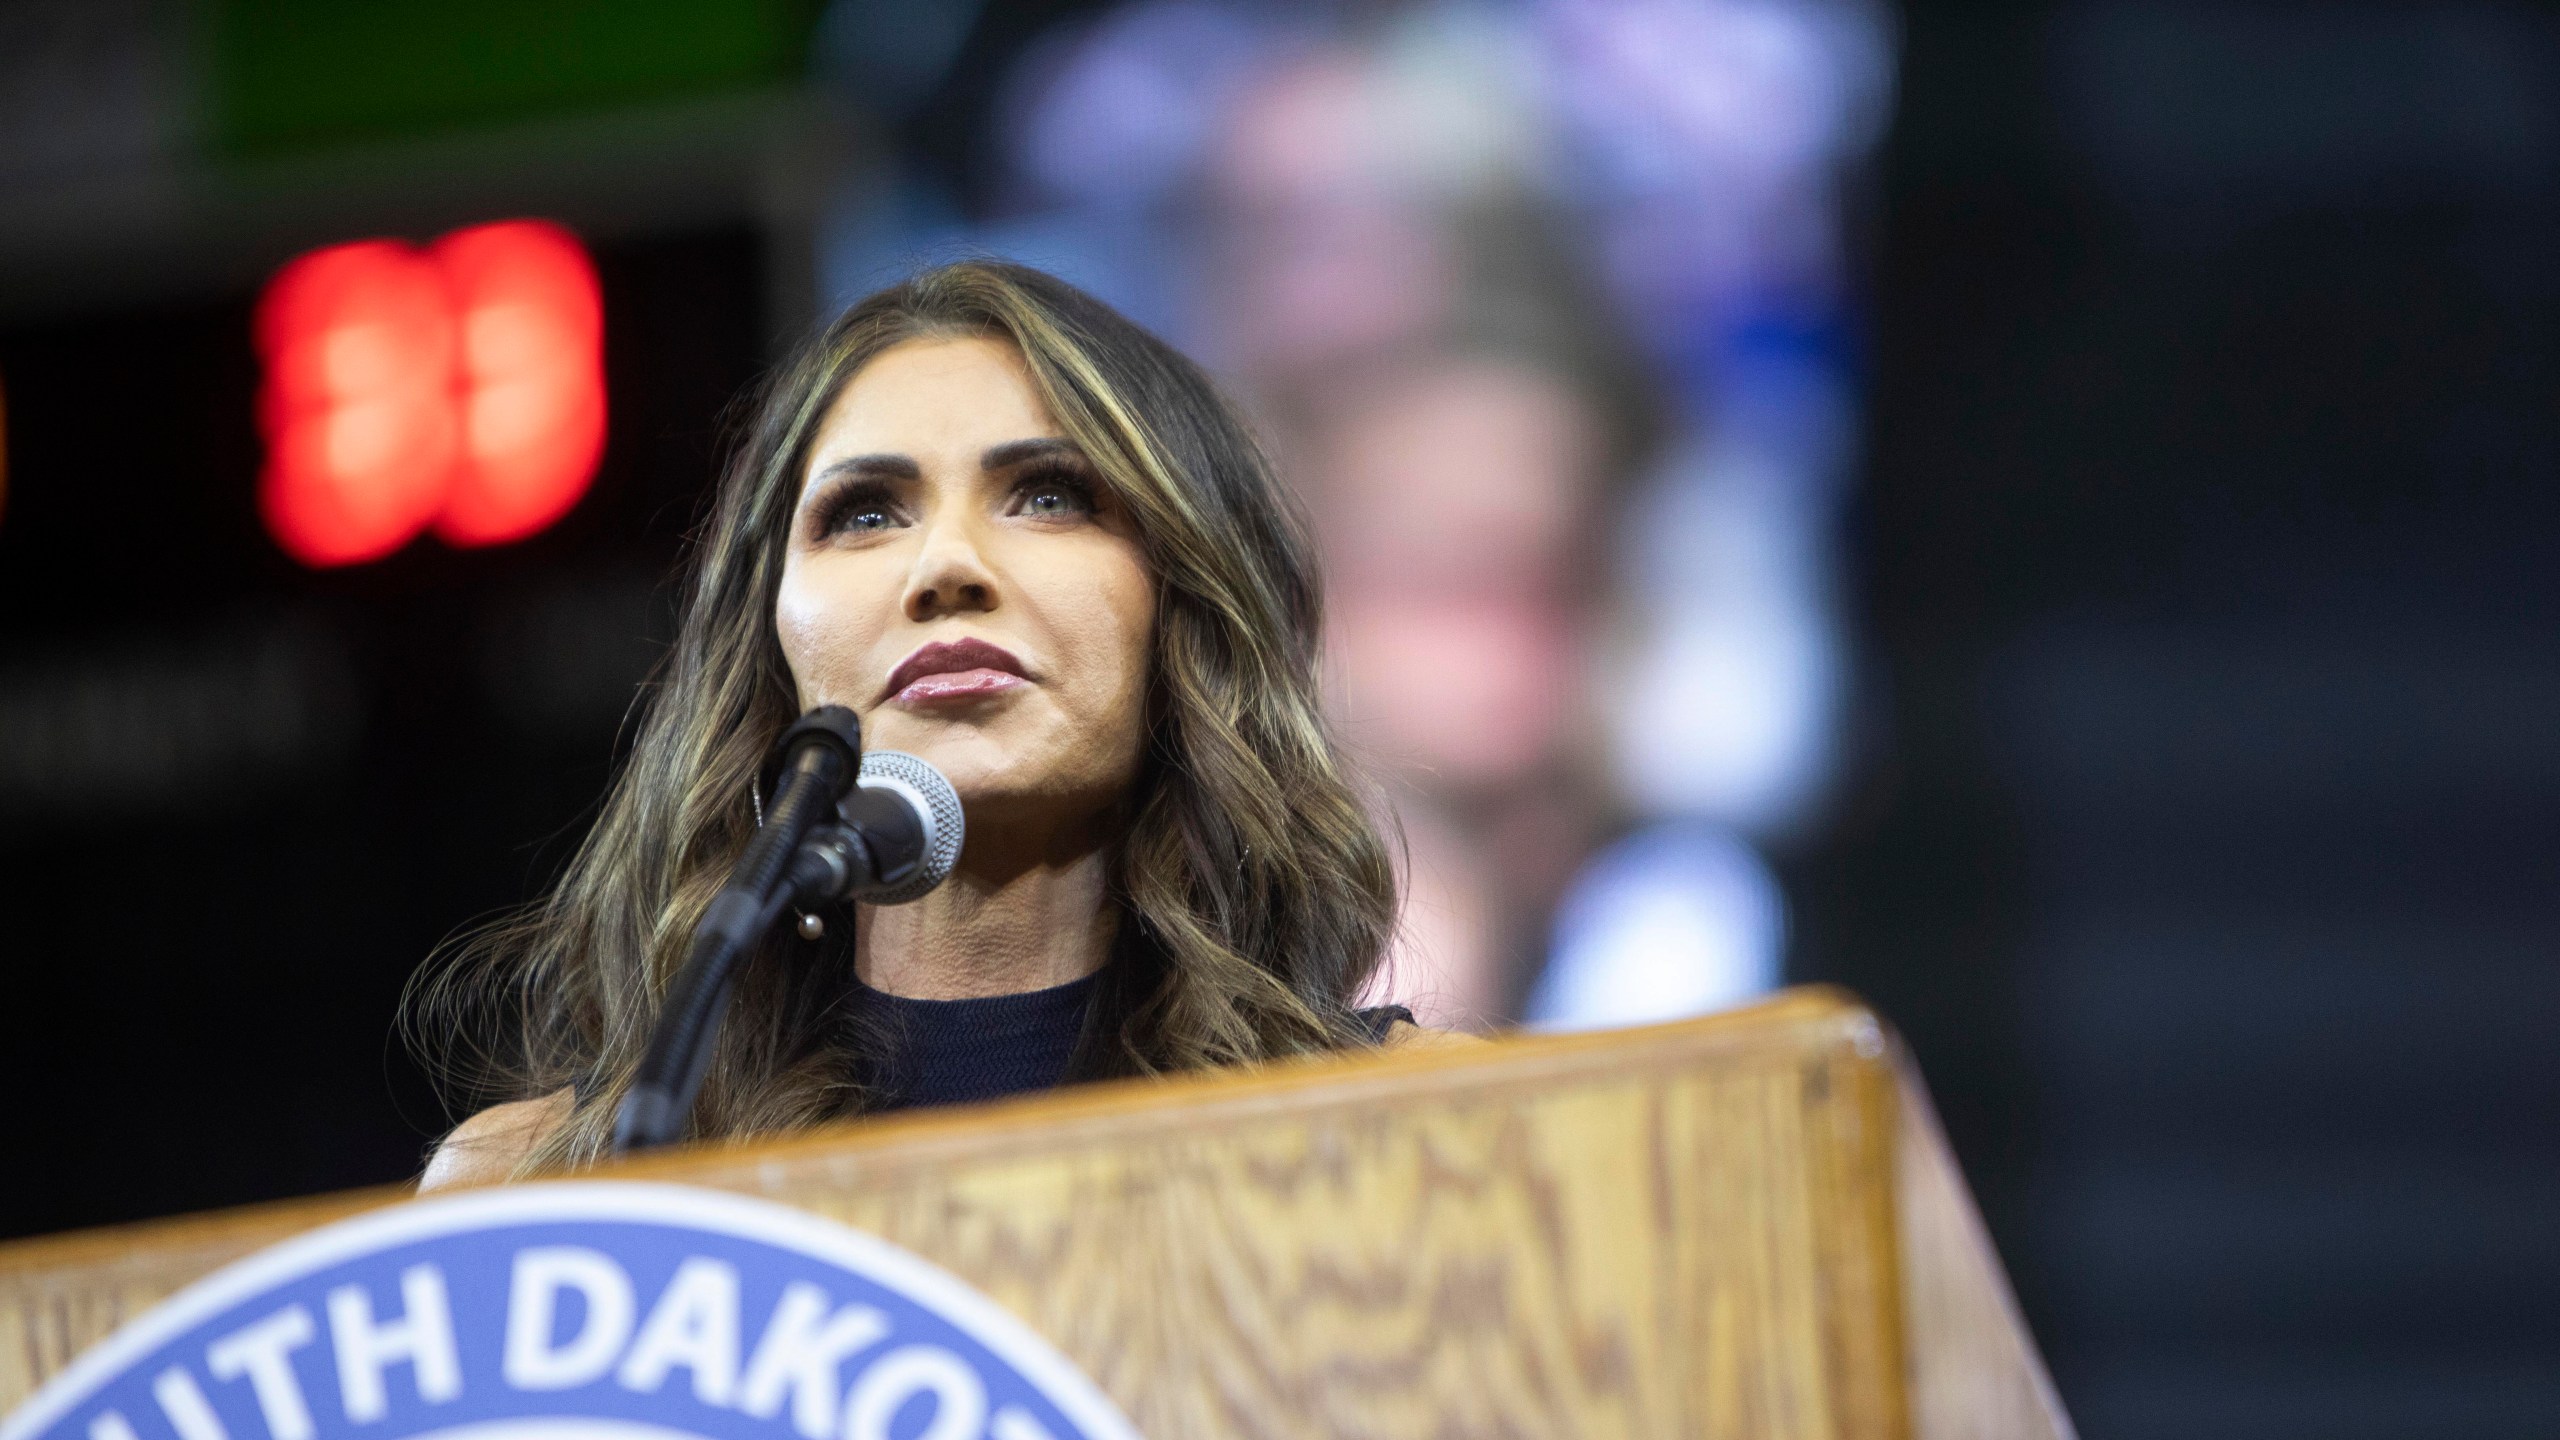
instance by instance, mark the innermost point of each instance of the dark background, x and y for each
(2208, 548)
(2201, 842)
(270, 791)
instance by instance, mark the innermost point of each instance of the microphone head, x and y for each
(935, 803)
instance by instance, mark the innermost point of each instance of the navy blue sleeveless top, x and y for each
(955, 1052)
(952, 1052)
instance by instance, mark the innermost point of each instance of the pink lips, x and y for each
(948, 670)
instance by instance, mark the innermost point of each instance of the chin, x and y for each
(1012, 766)
(978, 765)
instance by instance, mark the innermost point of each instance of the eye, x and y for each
(860, 508)
(1053, 494)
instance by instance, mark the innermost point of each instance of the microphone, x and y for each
(894, 834)
(820, 758)
(898, 833)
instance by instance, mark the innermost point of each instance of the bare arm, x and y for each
(485, 1148)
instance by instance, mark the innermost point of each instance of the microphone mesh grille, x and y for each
(944, 828)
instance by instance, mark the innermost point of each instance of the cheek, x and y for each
(1111, 615)
(824, 632)
(1132, 602)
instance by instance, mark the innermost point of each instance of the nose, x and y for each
(950, 575)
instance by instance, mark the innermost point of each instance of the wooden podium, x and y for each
(1746, 1225)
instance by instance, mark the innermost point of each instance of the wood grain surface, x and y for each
(1688, 1230)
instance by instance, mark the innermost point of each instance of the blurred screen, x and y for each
(1546, 309)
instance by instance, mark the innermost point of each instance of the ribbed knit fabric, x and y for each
(953, 1052)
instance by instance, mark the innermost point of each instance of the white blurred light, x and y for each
(1727, 649)
(1671, 922)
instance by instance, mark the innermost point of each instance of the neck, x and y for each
(1001, 925)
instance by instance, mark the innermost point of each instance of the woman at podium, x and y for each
(1030, 543)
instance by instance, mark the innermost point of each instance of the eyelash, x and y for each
(851, 499)
(1058, 478)
(835, 514)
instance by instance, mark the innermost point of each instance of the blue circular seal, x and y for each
(577, 1311)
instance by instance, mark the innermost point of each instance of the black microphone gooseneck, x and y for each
(821, 756)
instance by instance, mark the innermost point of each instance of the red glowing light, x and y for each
(532, 389)
(460, 386)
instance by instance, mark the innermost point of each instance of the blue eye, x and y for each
(1053, 495)
(861, 509)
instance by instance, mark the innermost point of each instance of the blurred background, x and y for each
(2047, 514)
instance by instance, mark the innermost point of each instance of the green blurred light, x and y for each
(293, 74)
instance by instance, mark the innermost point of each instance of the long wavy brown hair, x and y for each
(1256, 895)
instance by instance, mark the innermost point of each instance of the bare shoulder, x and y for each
(485, 1148)
(1407, 1036)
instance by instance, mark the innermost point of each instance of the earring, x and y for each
(812, 925)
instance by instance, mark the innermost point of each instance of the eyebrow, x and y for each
(887, 466)
(872, 467)
(1015, 452)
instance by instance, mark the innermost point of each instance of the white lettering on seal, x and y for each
(264, 1352)
(695, 1325)
(802, 1350)
(182, 1400)
(533, 1361)
(423, 1336)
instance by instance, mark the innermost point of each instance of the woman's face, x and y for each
(961, 578)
